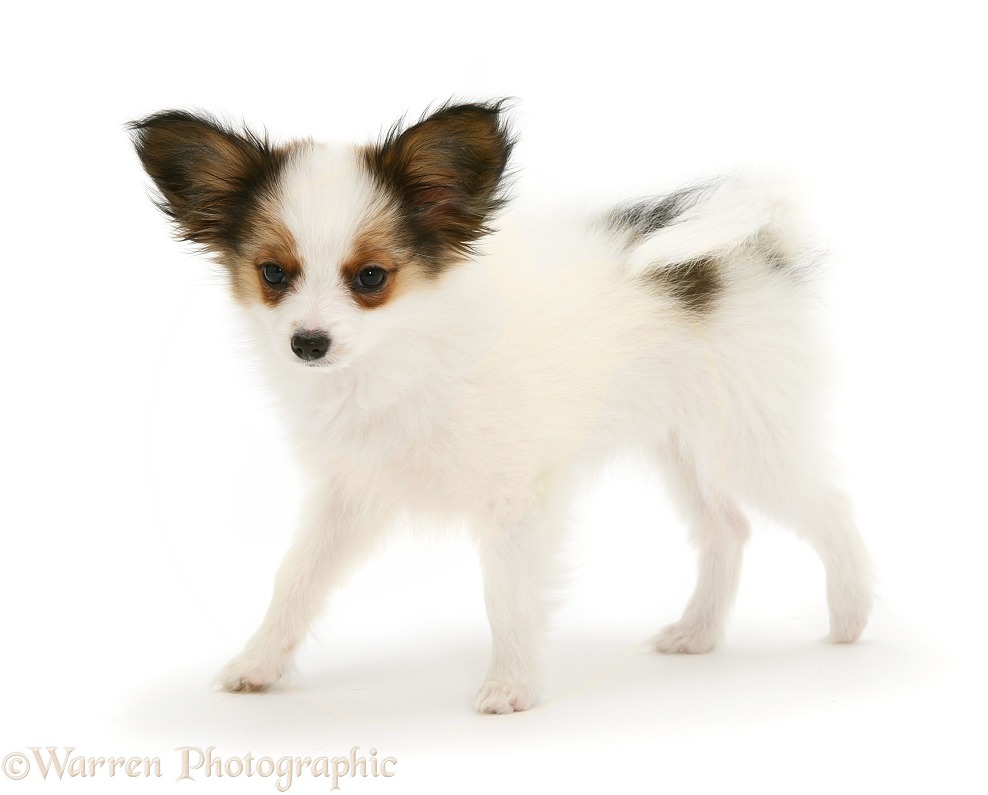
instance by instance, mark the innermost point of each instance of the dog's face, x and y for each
(329, 246)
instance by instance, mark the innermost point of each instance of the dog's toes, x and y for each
(685, 638)
(244, 674)
(498, 698)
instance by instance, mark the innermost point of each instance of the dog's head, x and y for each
(324, 243)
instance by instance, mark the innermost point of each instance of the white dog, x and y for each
(431, 366)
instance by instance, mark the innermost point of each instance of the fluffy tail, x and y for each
(709, 220)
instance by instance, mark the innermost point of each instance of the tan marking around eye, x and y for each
(380, 244)
(268, 241)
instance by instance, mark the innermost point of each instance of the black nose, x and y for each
(310, 345)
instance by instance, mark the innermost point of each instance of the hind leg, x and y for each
(719, 531)
(822, 515)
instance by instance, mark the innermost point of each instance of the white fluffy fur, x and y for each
(484, 396)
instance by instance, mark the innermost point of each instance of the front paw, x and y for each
(249, 673)
(498, 698)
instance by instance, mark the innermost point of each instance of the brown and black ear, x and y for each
(446, 173)
(210, 177)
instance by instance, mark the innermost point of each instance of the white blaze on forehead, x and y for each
(326, 197)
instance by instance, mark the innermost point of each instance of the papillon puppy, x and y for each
(442, 356)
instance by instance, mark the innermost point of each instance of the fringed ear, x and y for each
(209, 177)
(446, 173)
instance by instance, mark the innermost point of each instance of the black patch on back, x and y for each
(648, 216)
(695, 283)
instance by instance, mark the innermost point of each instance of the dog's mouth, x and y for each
(322, 363)
(332, 362)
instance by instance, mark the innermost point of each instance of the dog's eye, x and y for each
(274, 275)
(371, 277)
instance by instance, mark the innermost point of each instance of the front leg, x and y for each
(519, 571)
(336, 535)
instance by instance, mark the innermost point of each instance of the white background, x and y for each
(147, 497)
